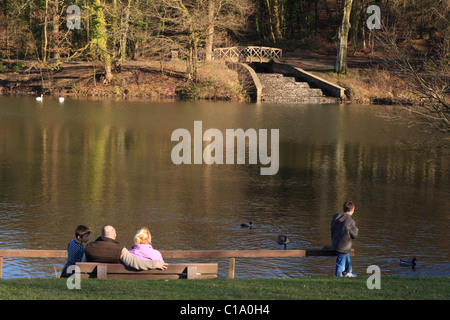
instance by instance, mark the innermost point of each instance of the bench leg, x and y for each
(192, 272)
(102, 272)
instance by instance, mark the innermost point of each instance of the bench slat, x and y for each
(173, 271)
(171, 268)
(138, 276)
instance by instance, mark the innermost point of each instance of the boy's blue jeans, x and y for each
(343, 264)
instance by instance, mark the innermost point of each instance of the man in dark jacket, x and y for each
(343, 231)
(107, 249)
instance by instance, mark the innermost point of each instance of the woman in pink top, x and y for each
(142, 247)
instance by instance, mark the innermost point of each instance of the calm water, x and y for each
(109, 162)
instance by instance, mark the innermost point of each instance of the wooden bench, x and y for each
(173, 271)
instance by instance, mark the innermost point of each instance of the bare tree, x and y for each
(341, 59)
(425, 75)
(188, 24)
(210, 30)
(44, 56)
(99, 42)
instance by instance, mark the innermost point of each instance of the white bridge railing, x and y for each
(248, 54)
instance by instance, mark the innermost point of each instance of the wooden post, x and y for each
(231, 267)
(56, 271)
(1, 267)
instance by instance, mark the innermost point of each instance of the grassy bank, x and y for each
(368, 85)
(392, 288)
(367, 81)
(155, 80)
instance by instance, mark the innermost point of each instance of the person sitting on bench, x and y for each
(106, 249)
(142, 247)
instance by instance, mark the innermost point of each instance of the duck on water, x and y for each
(408, 263)
(247, 225)
(283, 240)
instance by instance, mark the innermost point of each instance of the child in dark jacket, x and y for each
(343, 231)
(75, 248)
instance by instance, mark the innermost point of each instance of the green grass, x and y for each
(392, 288)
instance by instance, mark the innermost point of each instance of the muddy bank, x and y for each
(143, 79)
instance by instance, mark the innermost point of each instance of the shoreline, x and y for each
(153, 80)
(366, 82)
(146, 79)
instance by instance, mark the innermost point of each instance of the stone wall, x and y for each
(314, 81)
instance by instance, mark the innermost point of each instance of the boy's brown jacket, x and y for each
(343, 231)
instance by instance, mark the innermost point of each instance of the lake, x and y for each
(98, 162)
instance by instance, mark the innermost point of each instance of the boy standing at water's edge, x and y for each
(343, 231)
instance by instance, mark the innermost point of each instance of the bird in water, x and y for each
(41, 98)
(408, 263)
(247, 225)
(283, 240)
(61, 99)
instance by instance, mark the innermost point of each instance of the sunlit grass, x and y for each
(392, 288)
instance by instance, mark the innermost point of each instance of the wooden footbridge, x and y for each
(248, 54)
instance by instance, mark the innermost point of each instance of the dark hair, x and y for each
(81, 231)
(348, 206)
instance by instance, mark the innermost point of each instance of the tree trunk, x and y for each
(88, 29)
(193, 55)
(272, 35)
(123, 45)
(100, 38)
(114, 30)
(210, 31)
(44, 56)
(191, 70)
(355, 18)
(276, 19)
(341, 59)
(55, 32)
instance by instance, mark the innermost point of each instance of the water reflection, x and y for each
(108, 162)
